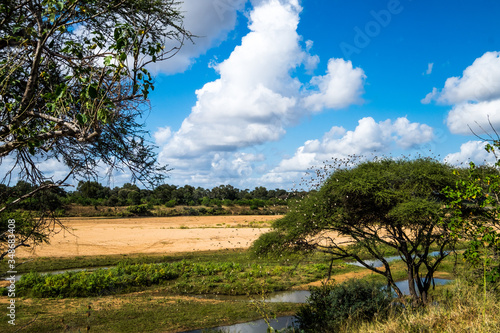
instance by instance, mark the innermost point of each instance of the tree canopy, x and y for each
(74, 81)
(375, 207)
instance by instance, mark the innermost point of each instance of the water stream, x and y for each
(18, 276)
(370, 262)
(257, 326)
(378, 263)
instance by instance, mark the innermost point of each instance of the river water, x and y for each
(378, 263)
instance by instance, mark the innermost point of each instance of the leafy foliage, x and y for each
(476, 210)
(100, 282)
(331, 305)
(73, 79)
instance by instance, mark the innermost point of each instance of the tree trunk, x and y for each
(411, 283)
(424, 287)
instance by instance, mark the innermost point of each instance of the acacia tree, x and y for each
(373, 207)
(73, 83)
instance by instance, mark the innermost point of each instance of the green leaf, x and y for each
(92, 91)
(61, 91)
(107, 60)
(82, 118)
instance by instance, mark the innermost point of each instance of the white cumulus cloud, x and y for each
(479, 82)
(235, 168)
(162, 135)
(209, 21)
(339, 88)
(257, 96)
(367, 137)
(475, 96)
(471, 151)
(466, 117)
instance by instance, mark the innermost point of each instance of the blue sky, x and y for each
(274, 87)
(271, 88)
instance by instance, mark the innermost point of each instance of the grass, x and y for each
(458, 307)
(137, 312)
(44, 264)
(163, 308)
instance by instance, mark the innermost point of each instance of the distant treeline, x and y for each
(91, 193)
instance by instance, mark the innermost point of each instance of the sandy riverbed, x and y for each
(99, 236)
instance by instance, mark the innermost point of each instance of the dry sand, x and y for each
(99, 236)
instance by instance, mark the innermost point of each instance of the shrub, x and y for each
(331, 306)
(171, 203)
(189, 211)
(141, 210)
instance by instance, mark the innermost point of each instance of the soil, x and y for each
(101, 236)
(337, 278)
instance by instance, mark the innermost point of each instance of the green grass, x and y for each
(44, 264)
(142, 312)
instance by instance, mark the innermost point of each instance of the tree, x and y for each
(260, 193)
(93, 190)
(475, 204)
(163, 193)
(374, 207)
(73, 82)
(224, 192)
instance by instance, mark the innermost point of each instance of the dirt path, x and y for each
(97, 236)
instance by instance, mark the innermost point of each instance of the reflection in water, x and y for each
(405, 289)
(378, 263)
(298, 296)
(258, 326)
(18, 276)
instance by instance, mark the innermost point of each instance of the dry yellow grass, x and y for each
(465, 310)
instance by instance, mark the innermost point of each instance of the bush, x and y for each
(191, 211)
(331, 306)
(268, 243)
(171, 203)
(141, 210)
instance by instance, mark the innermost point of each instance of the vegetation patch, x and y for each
(238, 277)
(331, 305)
